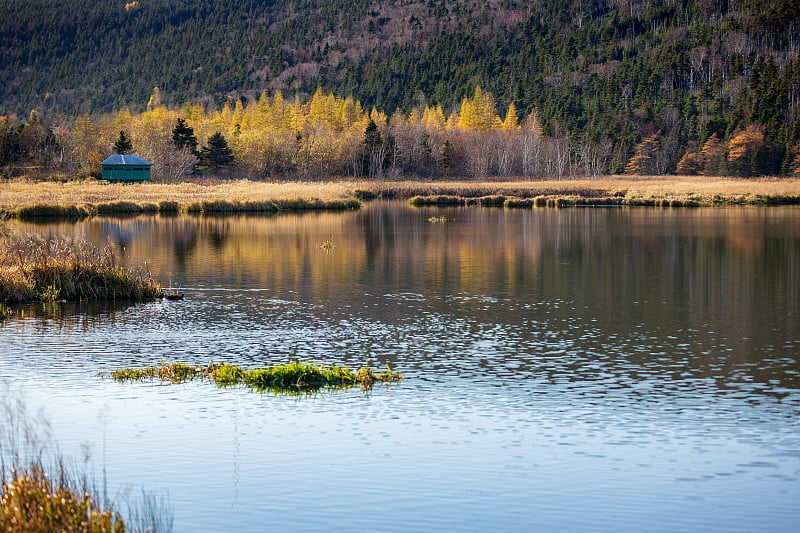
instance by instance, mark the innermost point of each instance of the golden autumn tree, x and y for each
(478, 113)
(86, 149)
(797, 160)
(690, 164)
(642, 161)
(433, 118)
(710, 155)
(743, 150)
(511, 122)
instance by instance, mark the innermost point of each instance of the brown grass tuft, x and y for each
(37, 269)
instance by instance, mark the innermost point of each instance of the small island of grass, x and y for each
(292, 377)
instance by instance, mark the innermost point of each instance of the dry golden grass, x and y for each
(23, 198)
(680, 187)
(37, 269)
(91, 197)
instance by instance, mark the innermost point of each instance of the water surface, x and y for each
(609, 369)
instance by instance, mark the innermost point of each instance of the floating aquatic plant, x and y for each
(328, 245)
(295, 376)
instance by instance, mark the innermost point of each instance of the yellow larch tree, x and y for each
(511, 121)
(433, 118)
(743, 147)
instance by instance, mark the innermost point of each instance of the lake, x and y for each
(579, 369)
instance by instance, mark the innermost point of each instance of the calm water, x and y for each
(571, 370)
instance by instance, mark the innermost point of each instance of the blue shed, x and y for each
(127, 168)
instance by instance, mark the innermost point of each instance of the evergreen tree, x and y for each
(447, 158)
(123, 144)
(183, 136)
(216, 155)
(373, 150)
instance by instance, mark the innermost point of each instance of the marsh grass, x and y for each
(34, 500)
(25, 200)
(661, 191)
(288, 378)
(41, 492)
(584, 201)
(28, 200)
(33, 268)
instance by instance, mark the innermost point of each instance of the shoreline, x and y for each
(27, 200)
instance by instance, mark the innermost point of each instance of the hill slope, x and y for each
(617, 69)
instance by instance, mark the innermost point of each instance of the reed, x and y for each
(295, 376)
(42, 492)
(36, 269)
(36, 501)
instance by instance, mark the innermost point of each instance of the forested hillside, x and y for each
(654, 87)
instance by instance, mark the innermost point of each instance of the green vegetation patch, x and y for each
(365, 195)
(442, 199)
(225, 206)
(51, 211)
(288, 378)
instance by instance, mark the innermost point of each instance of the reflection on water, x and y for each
(574, 369)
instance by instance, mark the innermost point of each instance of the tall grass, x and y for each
(41, 492)
(33, 268)
(295, 376)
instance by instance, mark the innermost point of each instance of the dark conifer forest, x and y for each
(656, 87)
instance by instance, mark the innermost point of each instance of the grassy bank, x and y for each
(296, 376)
(27, 200)
(644, 191)
(37, 269)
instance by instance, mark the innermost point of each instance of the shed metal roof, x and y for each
(125, 159)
